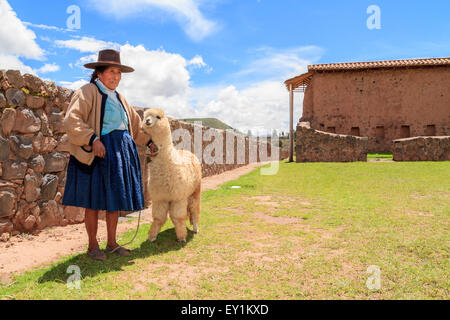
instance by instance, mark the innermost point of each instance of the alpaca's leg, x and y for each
(194, 208)
(159, 213)
(178, 214)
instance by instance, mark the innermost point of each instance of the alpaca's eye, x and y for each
(158, 117)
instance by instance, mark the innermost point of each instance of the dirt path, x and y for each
(23, 253)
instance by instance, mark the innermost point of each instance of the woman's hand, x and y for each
(99, 149)
(152, 150)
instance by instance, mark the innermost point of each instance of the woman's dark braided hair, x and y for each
(99, 69)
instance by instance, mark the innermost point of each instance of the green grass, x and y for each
(210, 122)
(308, 232)
(382, 155)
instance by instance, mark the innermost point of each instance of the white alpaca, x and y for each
(175, 179)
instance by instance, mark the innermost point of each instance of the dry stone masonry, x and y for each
(422, 149)
(34, 157)
(317, 146)
(32, 170)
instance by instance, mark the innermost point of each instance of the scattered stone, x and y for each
(49, 187)
(35, 102)
(15, 97)
(4, 149)
(14, 169)
(15, 78)
(4, 237)
(26, 121)
(8, 120)
(21, 146)
(7, 203)
(37, 163)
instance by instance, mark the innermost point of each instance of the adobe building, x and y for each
(381, 100)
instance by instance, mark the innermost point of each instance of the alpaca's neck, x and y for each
(165, 146)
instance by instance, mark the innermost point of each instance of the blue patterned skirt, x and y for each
(113, 183)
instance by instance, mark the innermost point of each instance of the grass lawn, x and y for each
(380, 156)
(309, 232)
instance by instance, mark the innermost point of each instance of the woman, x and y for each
(104, 172)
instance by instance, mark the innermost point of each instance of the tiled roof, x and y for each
(304, 79)
(380, 64)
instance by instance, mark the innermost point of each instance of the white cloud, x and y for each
(16, 41)
(86, 44)
(15, 38)
(48, 68)
(197, 62)
(46, 27)
(87, 59)
(13, 63)
(73, 85)
(160, 79)
(186, 12)
(262, 107)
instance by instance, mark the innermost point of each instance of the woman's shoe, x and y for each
(121, 251)
(97, 255)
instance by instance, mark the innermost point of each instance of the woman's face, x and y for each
(111, 77)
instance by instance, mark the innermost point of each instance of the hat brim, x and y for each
(125, 69)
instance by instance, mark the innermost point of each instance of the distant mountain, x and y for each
(210, 122)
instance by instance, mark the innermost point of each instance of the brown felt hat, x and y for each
(109, 57)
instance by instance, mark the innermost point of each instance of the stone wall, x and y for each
(318, 146)
(34, 157)
(422, 149)
(32, 160)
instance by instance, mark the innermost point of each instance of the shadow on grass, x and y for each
(90, 268)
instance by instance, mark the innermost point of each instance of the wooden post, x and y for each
(291, 124)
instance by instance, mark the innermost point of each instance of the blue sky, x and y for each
(221, 58)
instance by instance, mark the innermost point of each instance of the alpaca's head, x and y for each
(156, 124)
